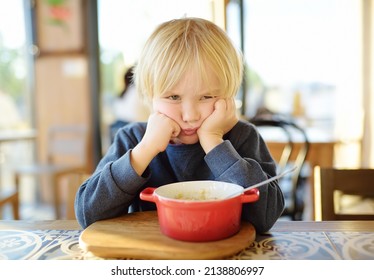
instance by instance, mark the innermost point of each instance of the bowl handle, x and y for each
(250, 196)
(147, 194)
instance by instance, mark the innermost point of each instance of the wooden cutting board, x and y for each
(138, 236)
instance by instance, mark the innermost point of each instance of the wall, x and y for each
(62, 83)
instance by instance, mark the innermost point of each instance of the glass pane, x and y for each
(14, 92)
(301, 55)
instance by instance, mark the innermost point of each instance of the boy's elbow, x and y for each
(80, 215)
(80, 218)
(263, 218)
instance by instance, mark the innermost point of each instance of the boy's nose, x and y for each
(190, 113)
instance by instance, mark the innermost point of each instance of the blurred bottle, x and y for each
(298, 107)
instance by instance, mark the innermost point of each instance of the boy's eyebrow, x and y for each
(214, 92)
(203, 92)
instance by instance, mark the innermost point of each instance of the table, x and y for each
(320, 153)
(287, 240)
(321, 150)
(7, 136)
(17, 135)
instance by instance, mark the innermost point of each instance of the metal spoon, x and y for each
(263, 182)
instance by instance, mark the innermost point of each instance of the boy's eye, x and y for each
(207, 97)
(173, 97)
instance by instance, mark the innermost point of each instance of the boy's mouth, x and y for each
(189, 132)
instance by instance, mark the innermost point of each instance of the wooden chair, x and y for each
(332, 183)
(11, 198)
(291, 185)
(66, 155)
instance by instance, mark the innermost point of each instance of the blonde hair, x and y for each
(176, 46)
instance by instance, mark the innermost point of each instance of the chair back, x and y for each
(293, 133)
(10, 198)
(330, 186)
(67, 144)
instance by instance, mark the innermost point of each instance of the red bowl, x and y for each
(199, 210)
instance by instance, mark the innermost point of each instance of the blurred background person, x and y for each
(128, 107)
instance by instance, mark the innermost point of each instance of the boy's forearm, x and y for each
(140, 157)
(209, 143)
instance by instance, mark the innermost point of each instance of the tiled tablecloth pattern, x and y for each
(39, 244)
(64, 244)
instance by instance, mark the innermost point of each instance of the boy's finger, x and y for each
(176, 131)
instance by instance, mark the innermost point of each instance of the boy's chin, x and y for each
(186, 140)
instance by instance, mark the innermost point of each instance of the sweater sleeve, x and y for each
(246, 164)
(108, 193)
(111, 188)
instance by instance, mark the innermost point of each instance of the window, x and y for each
(16, 80)
(303, 59)
(15, 77)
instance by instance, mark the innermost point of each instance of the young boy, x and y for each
(190, 72)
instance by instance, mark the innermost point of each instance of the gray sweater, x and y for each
(243, 159)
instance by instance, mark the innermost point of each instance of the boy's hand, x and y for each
(221, 121)
(160, 130)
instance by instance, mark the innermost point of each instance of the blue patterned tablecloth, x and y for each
(40, 244)
(64, 244)
(311, 246)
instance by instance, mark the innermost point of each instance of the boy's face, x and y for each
(189, 103)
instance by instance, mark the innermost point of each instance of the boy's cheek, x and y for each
(155, 105)
(165, 109)
(160, 107)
